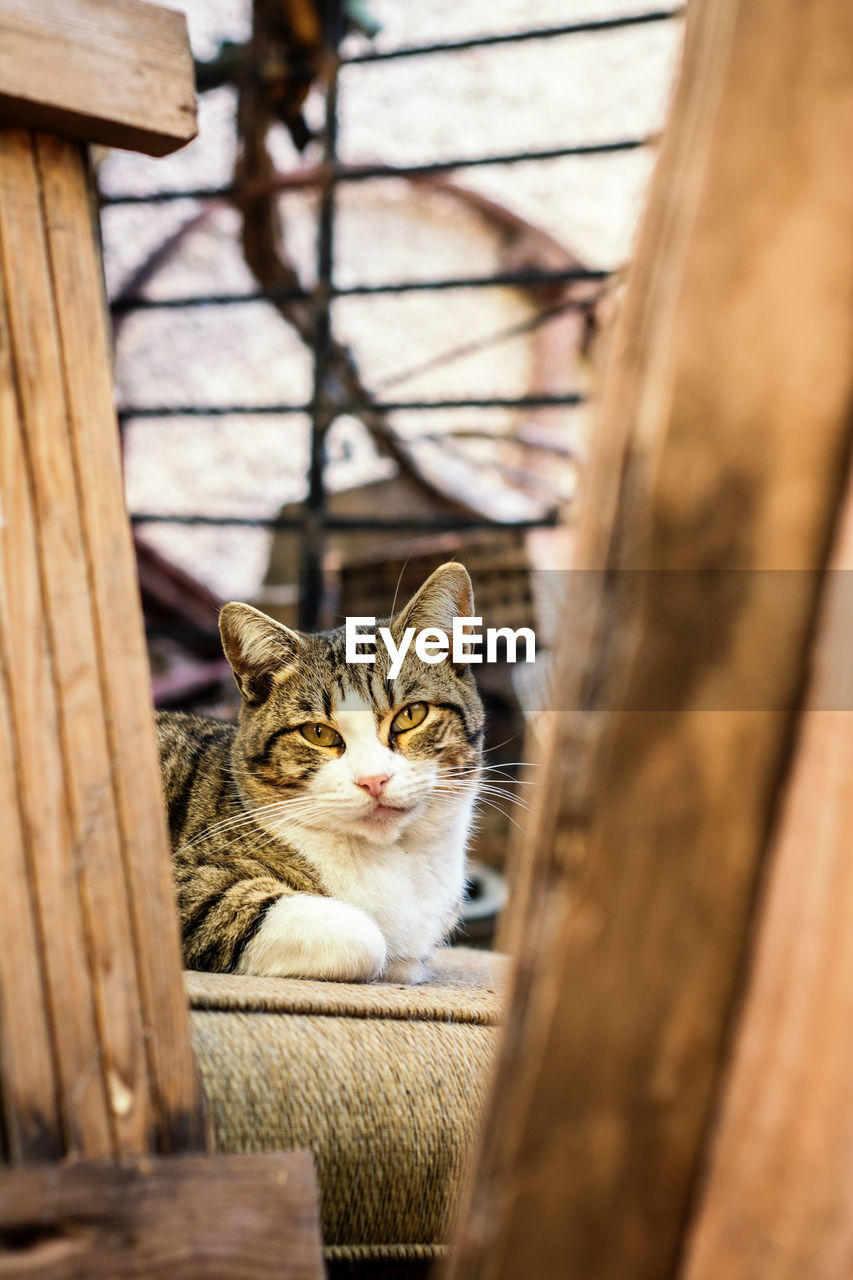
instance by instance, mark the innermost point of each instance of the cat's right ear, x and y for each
(257, 647)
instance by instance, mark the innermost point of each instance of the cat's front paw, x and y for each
(307, 936)
(408, 971)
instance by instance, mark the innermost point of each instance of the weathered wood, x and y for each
(777, 1203)
(77, 680)
(723, 433)
(26, 1058)
(119, 636)
(63, 561)
(40, 783)
(118, 72)
(95, 1056)
(182, 1218)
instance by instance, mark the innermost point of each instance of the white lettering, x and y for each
(511, 638)
(432, 645)
(397, 653)
(354, 639)
(463, 643)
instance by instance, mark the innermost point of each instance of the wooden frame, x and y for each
(722, 441)
(95, 1058)
(78, 706)
(181, 1218)
(117, 73)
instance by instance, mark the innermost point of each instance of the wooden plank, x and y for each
(778, 1199)
(30, 1126)
(66, 591)
(118, 72)
(121, 653)
(723, 433)
(250, 1217)
(40, 783)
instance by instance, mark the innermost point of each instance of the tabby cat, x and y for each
(323, 835)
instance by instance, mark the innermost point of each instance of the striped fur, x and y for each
(302, 859)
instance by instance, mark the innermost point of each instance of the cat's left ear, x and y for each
(446, 594)
(257, 647)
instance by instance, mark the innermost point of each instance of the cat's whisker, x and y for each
(490, 768)
(273, 835)
(508, 778)
(487, 751)
(509, 799)
(245, 815)
(504, 787)
(504, 768)
(491, 805)
(482, 788)
(243, 818)
(225, 823)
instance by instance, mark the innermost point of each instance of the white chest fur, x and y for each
(410, 888)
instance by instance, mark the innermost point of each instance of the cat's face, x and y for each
(339, 746)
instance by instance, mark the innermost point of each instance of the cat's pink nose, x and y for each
(375, 784)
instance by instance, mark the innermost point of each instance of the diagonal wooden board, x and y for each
(777, 1199)
(722, 441)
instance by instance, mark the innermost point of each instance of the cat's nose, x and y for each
(375, 784)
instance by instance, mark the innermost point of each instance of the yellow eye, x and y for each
(321, 735)
(410, 717)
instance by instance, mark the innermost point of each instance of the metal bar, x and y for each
(428, 525)
(503, 280)
(323, 409)
(485, 342)
(321, 175)
(380, 406)
(590, 27)
(364, 172)
(141, 412)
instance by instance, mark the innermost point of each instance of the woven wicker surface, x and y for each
(384, 1083)
(465, 986)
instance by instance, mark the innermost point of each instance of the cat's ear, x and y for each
(446, 594)
(257, 647)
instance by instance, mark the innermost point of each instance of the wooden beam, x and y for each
(35, 769)
(62, 558)
(249, 1217)
(117, 72)
(778, 1197)
(722, 440)
(95, 1054)
(26, 1052)
(98, 869)
(122, 657)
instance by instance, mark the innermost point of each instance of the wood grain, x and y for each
(778, 1199)
(28, 1084)
(119, 73)
(220, 1217)
(39, 778)
(122, 658)
(95, 1056)
(722, 438)
(64, 574)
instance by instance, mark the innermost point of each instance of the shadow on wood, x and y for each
(722, 441)
(95, 1060)
(232, 1217)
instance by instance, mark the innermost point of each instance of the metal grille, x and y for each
(329, 398)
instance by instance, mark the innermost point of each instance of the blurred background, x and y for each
(356, 321)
